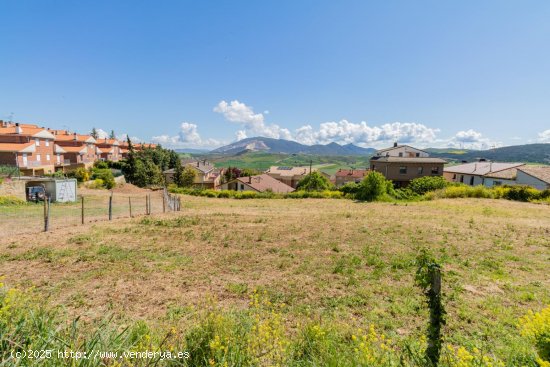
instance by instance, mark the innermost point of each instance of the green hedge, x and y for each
(256, 195)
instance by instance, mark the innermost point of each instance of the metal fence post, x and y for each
(130, 205)
(82, 210)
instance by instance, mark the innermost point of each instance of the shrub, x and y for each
(11, 200)
(314, 181)
(536, 327)
(81, 174)
(350, 188)
(97, 184)
(521, 193)
(422, 185)
(374, 187)
(105, 175)
(101, 165)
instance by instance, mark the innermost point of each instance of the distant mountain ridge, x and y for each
(290, 147)
(529, 153)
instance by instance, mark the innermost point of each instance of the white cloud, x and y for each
(345, 132)
(471, 139)
(240, 135)
(544, 137)
(102, 134)
(252, 123)
(188, 136)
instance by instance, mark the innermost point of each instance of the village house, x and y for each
(291, 175)
(80, 150)
(343, 176)
(403, 163)
(534, 176)
(206, 175)
(491, 174)
(108, 150)
(258, 183)
(28, 147)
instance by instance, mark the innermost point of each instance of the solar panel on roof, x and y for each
(284, 168)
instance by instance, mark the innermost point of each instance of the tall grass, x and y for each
(259, 335)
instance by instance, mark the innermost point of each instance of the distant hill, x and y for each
(261, 144)
(529, 153)
(191, 151)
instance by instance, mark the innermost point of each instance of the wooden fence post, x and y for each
(82, 210)
(150, 209)
(46, 213)
(111, 207)
(130, 205)
(163, 204)
(146, 204)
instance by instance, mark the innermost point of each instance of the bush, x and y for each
(521, 193)
(374, 187)
(350, 188)
(105, 175)
(101, 165)
(81, 174)
(422, 185)
(97, 184)
(11, 200)
(536, 327)
(314, 181)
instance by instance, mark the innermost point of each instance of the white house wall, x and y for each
(525, 179)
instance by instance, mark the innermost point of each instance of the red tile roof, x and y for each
(356, 173)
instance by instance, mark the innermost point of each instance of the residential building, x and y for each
(109, 150)
(28, 147)
(403, 163)
(344, 176)
(402, 151)
(206, 175)
(535, 176)
(258, 183)
(291, 175)
(483, 173)
(80, 150)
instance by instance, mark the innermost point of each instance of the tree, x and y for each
(112, 135)
(94, 133)
(188, 177)
(184, 176)
(424, 184)
(373, 187)
(314, 181)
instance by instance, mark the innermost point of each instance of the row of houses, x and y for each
(39, 150)
(399, 163)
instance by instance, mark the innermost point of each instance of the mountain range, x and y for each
(290, 147)
(531, 153)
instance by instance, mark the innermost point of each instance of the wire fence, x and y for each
(42, 216)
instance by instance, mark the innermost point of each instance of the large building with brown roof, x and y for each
(30, 148)
(403, 163)
(535, 176)
(258, 183)
(484, 173)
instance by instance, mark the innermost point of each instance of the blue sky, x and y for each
(202, 73)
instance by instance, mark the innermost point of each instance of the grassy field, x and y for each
(341, 264)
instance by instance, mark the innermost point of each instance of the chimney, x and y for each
(395, 145)
(249, 179)
(18, 129)
(198, 163)
(74, 137)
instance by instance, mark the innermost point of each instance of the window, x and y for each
(497, 183)
(47, 156)
(462, 178)
(47, 142)
(454, 176)
(401, 154)
(420, 170)
(37, 142)
(403, 170)
(242, 187)
(472, 181)
(38, 158)
(417, 155)
(435, 170)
